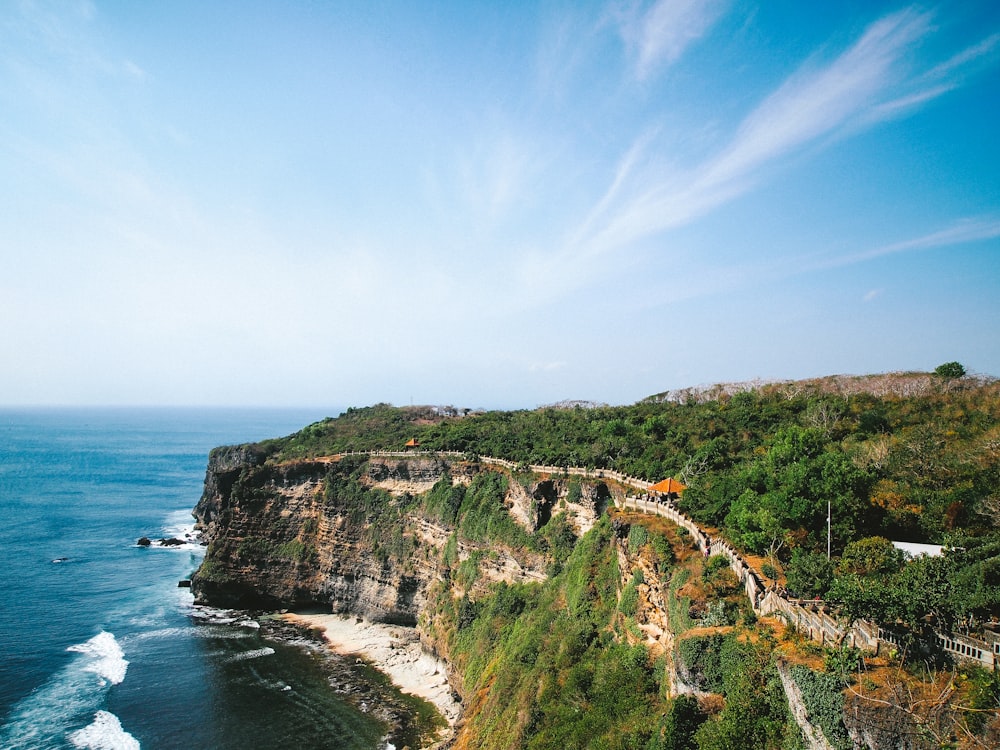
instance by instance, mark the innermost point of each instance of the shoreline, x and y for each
(394, 650)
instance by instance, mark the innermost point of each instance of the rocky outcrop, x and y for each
(276, 541)
(583, 503)
(410, 475)
(278, 536)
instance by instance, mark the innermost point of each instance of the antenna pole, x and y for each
(828, 516)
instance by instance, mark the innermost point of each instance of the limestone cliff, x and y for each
(299, 534)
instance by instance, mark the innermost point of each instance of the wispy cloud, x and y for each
(497, 174)
(624, 171)
(816, 102)
(984, 49)
(819, 103)
(133, 70)
(961, 232)
(662, 33)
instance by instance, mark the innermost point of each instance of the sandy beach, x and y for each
(394, 651)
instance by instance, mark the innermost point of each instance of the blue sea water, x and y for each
(100, 648)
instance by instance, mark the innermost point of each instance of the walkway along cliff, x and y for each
(813, 618)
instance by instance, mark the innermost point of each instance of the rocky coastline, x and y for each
(361, 679)
(396, 652)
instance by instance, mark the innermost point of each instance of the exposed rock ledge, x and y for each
(393, 650)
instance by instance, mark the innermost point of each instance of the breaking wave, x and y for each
(53, 713)
(105, 733)
(108, 658)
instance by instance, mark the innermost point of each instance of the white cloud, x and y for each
(819, 103)
(964, 58)
(961, 232)
(133, 70)
(666, 30)
(813, 103)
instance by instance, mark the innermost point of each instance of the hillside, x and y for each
(568, 622)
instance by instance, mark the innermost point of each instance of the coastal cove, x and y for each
(393, 650)
(102, 648)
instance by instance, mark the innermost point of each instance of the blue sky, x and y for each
(316, 203)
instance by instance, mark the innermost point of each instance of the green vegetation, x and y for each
(211, 571)
(637, 536)
(809, 573)
(740, 667)
(296, 550)
(678, 606)
(962, 586)
(950, 370)
(380, 514)
(764, 467)
(760, 464)
(630, 595)
(483, 516)
(545, 659)
(444, 500)
(824, 700)
(562, 663)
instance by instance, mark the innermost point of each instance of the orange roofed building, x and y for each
(668, 486)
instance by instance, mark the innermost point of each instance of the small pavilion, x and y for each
(669, 487)
(412, 443)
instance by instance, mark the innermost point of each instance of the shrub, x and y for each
(701, 657)
(629, 601)
(679, 724)
(844, 662)
(809, 574)
(950, 370)
(638, 535)
(664, 550)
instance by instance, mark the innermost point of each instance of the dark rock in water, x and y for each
(60, 560)
(184, 583)
(144, 541)
(172, 542)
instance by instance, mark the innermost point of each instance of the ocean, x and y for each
(101, 648)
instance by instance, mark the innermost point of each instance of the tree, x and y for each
(871, 556)
(809, 573)
(864, 598)
(787, 490)
(950, 370)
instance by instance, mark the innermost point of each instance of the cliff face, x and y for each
(297, 535)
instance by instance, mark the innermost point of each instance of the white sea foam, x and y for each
(179, 524)
(108, 658)
(105, 733)
(47, 715)
(150, 635)
(255, 653)
(222, 634)
(211, 616)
